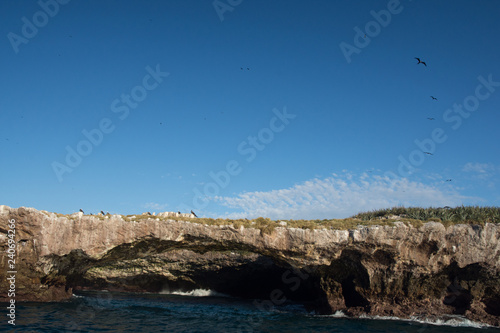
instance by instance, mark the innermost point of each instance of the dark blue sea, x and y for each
(201, 311)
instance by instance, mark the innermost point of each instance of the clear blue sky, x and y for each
(322, 125)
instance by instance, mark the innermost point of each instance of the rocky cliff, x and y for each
(379, 270)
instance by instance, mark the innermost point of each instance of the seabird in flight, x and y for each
(421, 62)
(430, 118)
(434, 98)
(426, 152)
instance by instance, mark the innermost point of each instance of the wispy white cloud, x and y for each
(480, 170)
(339, 196)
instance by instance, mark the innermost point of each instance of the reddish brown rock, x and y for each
(380, 270)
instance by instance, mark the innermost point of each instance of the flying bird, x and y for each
(448, 180)
(193, 213)
(421, 62)
(426, 152)
(430, 118)
(434, 98)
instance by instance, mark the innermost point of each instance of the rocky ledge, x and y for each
(395, 270)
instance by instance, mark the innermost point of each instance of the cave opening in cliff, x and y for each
(458, 297)
(492, 305)
(248, 276)
(352, 298)
(261, 279)
(349, 272)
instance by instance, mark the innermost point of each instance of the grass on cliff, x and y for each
(447, 215)
(415, 216)
(267, 226)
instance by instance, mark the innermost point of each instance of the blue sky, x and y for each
(134, 106)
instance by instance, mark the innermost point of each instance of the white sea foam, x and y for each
(338, 314)
(196, 293)
(447, 320)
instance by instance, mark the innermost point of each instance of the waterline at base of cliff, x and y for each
(137, 312)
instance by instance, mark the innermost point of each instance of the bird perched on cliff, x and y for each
(149, 213)
(102, 213)
(421, 62)
(193, 213)
(81, 211)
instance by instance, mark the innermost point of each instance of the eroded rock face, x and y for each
(398, 271)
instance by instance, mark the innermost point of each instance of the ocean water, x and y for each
(202, 311)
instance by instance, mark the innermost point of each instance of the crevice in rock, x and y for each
(492, 305)
(352, 298)
(428, 248)
(349, 272)
(383, 257)
(458, 297)
(462, 282)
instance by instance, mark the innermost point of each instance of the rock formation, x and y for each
(395, 270)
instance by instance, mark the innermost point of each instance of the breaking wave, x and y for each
(447, 320)
(196, 293)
